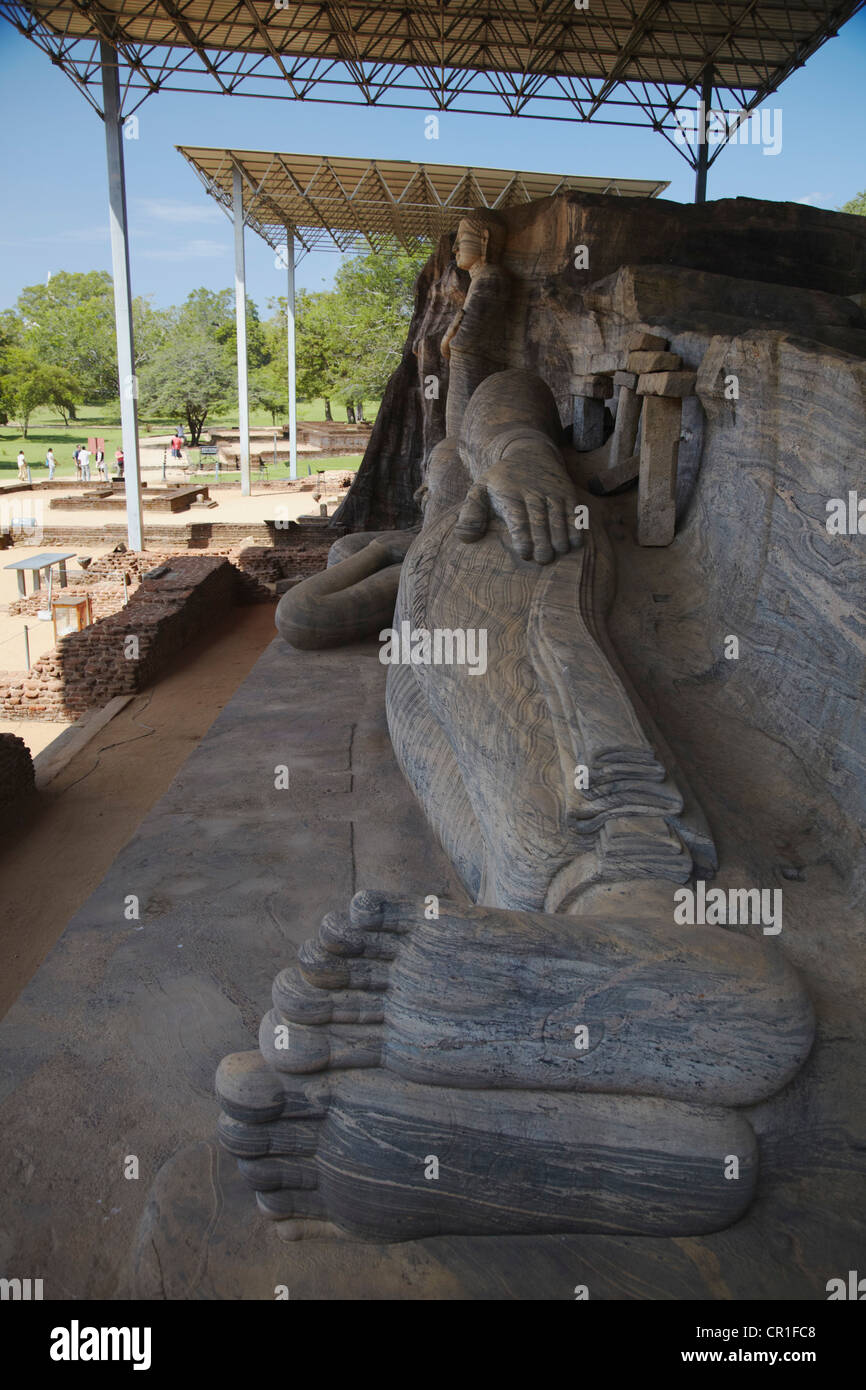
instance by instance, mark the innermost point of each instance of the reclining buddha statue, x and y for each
(558, 1055)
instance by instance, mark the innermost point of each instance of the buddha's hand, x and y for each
(450, 334)
(538, 507)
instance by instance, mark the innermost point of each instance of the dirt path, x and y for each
(52, 861)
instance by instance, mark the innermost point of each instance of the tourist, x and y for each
(50, 464)
(22, 467)
(99, 459)
(118, 464)
(76, 454)
(84, 461)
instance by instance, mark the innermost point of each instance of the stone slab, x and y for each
(667, 384)
(628, 379)
(53, 759)
(641, 362)
(111, 1049)
(626, 425)
(647, 342)
(656, 505)
(615, 477)
(587, 423)
(598, 386)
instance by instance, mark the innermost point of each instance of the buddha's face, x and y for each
(469, 245)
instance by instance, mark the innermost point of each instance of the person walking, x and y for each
(76, 454)
(118, 463)
(84, 460)
(99, 459)
(50, 464)
(22, 467)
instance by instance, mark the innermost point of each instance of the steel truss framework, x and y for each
(621, 62)
(328, 203)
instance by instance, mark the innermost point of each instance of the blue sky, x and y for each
(52, 156)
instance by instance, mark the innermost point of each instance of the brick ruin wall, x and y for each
(124, 651)
(257, 565)
(16, 771)
(87, 669)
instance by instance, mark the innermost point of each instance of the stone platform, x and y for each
(110, 1052)
(165, 499)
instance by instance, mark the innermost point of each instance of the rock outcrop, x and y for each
(685, 271)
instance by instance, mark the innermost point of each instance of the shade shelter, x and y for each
(299, 203)
(36, 564)
(622, 62)
(626, 62)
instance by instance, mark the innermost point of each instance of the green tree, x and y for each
(69, 323)
(11, 333)
(188, 377)
(350, 338)
(269, 390)
(856, 204)
(28, 383)
(211, 314)
(151, 329)
(374, 294)
(317, 345)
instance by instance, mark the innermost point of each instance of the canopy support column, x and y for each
(127, 380)
(290, 332)
(703, 164)
(241, 320)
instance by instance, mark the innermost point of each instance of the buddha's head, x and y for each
(480, 239)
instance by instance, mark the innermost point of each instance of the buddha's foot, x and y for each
(366, 1154)
(481, 998)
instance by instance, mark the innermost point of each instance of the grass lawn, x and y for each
(344, 463)
(48, 431)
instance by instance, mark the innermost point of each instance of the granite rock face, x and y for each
(761, 301)
(679, 273)
(792, 590)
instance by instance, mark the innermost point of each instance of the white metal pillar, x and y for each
(241, 320)
(290, 329)
(127, 380)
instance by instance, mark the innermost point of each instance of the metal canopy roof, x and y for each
(628, 62)
(328, 202)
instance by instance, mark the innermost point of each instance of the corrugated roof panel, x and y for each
(506, 36)
(324, 198)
